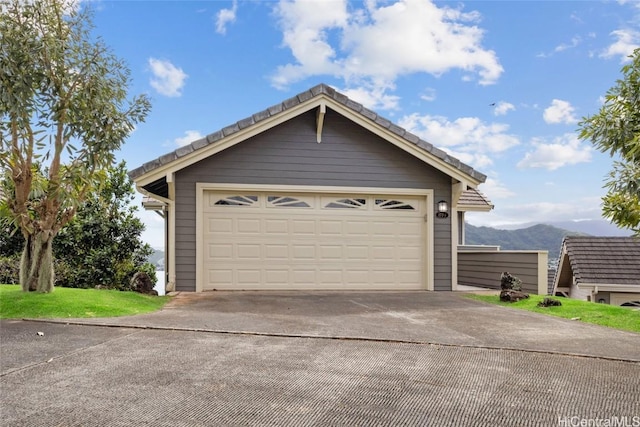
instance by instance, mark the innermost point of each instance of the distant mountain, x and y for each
(592, 227)
(538, 237)
(157, 259)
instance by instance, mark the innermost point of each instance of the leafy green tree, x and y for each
(63, 112)
(616, 129)
(102, 246)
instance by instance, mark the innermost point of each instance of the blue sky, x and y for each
(501, 85)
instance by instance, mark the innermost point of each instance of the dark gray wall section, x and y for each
(484, 268)
(349, 155)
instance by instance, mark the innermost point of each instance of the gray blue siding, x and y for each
(288, 154)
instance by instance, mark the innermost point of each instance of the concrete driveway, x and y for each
(319, 358)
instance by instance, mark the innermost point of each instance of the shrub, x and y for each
(10, 270)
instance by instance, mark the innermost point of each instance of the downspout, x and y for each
(170, 236)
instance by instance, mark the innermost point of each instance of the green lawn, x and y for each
(624, 318)
(69, 303)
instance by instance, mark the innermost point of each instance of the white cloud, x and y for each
(575, 41)
(429, 94)
(411, 36)
(502, 108)
(564, 150)
(188, 138)
(167, 79)
(374, 97)
(495, 189)
(559, 112)
(467, 138)
(512, 215)
(627, 41)
(225, 17)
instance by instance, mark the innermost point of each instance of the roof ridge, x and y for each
(320, 89)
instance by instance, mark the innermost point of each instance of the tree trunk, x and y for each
(36, 264)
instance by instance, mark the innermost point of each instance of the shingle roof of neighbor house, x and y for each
(604, 260)
(321, 89)
(472, 197)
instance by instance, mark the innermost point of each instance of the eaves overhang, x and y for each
(151, 174)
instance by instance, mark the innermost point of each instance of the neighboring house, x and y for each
(600, 269)
(316, 192)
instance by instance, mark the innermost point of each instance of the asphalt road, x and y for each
(268, 371)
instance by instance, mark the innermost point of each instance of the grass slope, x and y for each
(69, 303)
(623, 318)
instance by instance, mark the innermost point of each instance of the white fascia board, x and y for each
(608, 287)
(474, 208)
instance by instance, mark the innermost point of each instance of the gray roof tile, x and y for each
(305, 96)
(262, 115)
(473, 197)
(200, 143)
(216, 136)
(183, 151)
(355, 106)
(231, 129)
(275, 109)
(604, 260)
(292, 102)
(369, 114)
(245, 123)
(167, 158)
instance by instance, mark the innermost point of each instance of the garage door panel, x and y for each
(276, 226)
(220, 276)
(330, 228)
(356, 253)
(405, 228)
(298, 242)
(221, 252)
(358, 277)
(408, 277)
(384, 276)
(249, 252)
(276, 252)
(303, 252)
(277, 277)
(330, 252)
(220, 225)
(326, 277)
(383, 253)
(304, 227)
(409, 253)
(383, 228)
(303, 277)
(248, 277)
(248, 226)
(357, 228)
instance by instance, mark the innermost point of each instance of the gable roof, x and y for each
(600, 260)
(153, 173)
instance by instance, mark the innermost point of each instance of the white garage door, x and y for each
(262, 240)
(619, 298)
